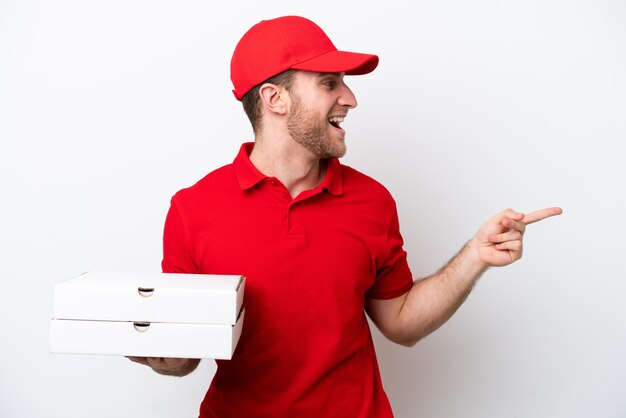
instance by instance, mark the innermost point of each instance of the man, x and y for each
(318, 241)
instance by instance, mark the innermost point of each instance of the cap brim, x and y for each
(351, 63)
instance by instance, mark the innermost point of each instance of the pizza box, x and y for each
(148, 314)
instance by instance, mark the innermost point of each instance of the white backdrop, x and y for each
(108, 108)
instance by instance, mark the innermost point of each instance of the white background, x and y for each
(108, 108)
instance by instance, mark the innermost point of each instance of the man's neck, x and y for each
(296, 168)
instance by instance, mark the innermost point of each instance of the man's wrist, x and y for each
(474, 263)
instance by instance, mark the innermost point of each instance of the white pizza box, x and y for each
(150, 297)
(148, 314)
(145, 339)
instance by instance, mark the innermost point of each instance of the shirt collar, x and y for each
(249, 176)
(333, 180)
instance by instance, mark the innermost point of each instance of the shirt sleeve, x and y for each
(177, 254)
(393, 277)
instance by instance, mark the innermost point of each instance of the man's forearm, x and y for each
(434, 299)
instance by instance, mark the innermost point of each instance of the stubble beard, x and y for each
(309, 129)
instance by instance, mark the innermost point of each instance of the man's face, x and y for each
(319, 103)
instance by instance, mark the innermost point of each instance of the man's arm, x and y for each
(434, 299)
(168, 366)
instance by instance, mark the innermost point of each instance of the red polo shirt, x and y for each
(310, 263)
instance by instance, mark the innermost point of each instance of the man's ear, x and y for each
(274, 98)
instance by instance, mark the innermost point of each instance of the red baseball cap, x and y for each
(290, 43)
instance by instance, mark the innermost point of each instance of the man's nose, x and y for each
(347, 98)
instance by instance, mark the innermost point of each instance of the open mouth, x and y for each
(336, 121)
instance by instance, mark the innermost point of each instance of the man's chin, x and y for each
(337, 148)
(335, 153)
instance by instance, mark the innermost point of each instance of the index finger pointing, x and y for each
(541, 214)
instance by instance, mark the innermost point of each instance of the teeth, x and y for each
(336, 119)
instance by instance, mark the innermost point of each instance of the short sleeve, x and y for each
(177, 254)
(393, 276)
